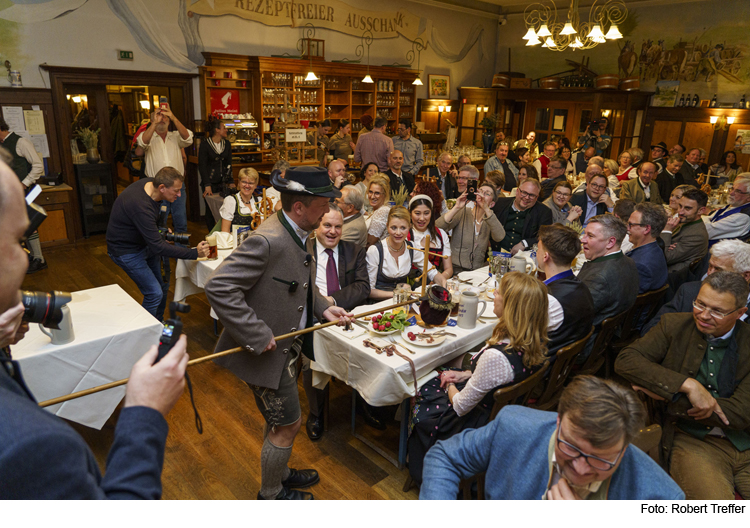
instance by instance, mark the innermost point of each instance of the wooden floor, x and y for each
(224, 462)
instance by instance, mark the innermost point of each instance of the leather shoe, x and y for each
(287, 494)
(301, 478)
(370, 419)
(314, 427)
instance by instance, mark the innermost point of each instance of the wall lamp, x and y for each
(721, 122)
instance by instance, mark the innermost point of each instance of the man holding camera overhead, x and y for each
(163, 148)
(134, 241)
(40, 456)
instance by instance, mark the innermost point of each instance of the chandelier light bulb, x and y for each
(530, 34)
(577, 43)
(568, 29)
(533, 42)
(368, 79)
(549, 43)
(544, 31)
(596, 33)
(613, 33)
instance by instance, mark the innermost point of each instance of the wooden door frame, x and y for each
(60, 76)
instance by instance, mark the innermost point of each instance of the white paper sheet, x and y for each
(13, 115)
(40, 144)
(34, 120)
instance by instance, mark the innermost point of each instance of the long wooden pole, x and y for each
(426, 263)
(112, 385)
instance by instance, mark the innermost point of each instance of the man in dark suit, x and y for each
(445, 175)
(696, 366)
(41, 457)
(726, 255)
(341, 277)
(398, 177)
(670, 177)
(521, 218)
(644, 226)
(558, 247)
(691, 241)
(612, 278)
(593, 200)
(265, 289)
(555, 175)
(691, 167)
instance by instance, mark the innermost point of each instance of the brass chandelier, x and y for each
(544, 27)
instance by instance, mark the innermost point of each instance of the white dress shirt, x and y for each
(321, 279)
(25, 149)
(162, 153)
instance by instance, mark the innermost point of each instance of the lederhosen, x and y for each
(389, 283)
(435, 260)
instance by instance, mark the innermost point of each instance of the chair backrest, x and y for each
(518, 393)
(645, 307)
(598, 352)
(559, 373)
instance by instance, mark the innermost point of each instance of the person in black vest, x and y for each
(558, 247)
(215, 165)
(28, 166)
(521, 218)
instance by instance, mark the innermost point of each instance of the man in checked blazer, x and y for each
(349, 289)
(266, 288)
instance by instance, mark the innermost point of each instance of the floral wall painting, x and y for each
(439, 86)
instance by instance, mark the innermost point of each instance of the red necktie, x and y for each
(332, 277)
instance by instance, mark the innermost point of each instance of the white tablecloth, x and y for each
(112, 331)
(383, 380)
(191, 275)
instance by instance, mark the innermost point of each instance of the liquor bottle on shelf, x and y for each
(713, 102)
(696, 101)
(743, 103)
(681, 102)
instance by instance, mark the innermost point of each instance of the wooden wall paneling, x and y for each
(670, 132)
(698, 135)
(742, 159)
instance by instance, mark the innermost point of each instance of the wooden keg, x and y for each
(549, 83)
(630, 84)
(608, 81)
(501, 80)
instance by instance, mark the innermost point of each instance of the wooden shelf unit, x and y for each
(340, 94)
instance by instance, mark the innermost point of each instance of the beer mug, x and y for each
(213, 249)
(64, 334)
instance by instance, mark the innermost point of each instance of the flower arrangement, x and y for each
(89, 137)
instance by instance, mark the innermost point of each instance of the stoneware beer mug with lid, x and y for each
(467, 310)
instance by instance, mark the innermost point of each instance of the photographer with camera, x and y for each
(596, 136)
(41, 457)
(135, 241)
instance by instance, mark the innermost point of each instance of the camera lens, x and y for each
(44, 308)
(178, 238)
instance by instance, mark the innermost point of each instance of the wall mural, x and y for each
(330, 14)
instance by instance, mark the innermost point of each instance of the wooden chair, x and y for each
(645, 307)
(516, 394)
(558, 374)
(599, 354)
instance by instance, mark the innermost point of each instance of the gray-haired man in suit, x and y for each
(266, 288)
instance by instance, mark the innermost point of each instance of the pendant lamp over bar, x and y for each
(417, 46)
(366, 41)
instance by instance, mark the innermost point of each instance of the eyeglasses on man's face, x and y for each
(571, 451)
(527, 196)
(597, 186)
(698, 305)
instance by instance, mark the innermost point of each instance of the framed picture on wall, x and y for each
(439, 86)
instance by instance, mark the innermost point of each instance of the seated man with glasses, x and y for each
(521, 218)
(555, 175)
(733, 220)
(696, 366)
(581, 452)
(594, 200)
(644, 226)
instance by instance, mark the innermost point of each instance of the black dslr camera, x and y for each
(177, 238)
(44, 308)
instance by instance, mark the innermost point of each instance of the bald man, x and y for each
(398, 176)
